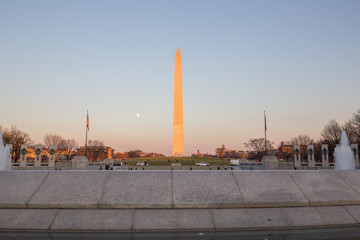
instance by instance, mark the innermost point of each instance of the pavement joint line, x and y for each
(37, 189)
(133, 220)
(346, 182)
(308, 200)
(238, 187)
(350, 213)
(103, 189)
(344, 207)
(351, 233)
(52, 222)
(287, 216)
(172, 190)
(212, 219)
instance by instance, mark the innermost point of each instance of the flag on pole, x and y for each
(87, 121)
(265, 121)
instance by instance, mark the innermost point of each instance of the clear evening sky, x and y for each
(298, 60)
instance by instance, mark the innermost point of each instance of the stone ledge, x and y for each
(205, 189)
(17, 187)
(177, 189)
(137, 189)
(70, 189)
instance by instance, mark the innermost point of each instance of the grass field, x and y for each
(166, 161)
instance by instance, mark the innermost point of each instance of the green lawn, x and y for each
(166, 161)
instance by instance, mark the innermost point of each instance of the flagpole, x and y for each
(265, 132)
(86, 127)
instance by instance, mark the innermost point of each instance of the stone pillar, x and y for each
(354, 148)
(270, 163)
(10, 153)
(37, 161)
(79, 163)
(51, 156)
(297, 156)
(23, 152)
(325, 155)
(311, 160)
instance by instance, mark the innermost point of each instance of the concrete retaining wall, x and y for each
(177, 200)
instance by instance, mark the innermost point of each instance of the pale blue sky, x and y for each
(298, 60)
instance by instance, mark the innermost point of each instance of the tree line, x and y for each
(330, 134)
(65, 147)
(17, 137)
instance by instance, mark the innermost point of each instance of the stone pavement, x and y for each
(137, 201)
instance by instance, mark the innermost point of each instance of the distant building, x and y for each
(154, 155)
(96, 153)
(120, 155)
(137, 153)
(30, 155)
(209, 155)
(197, 154)
(285, 152)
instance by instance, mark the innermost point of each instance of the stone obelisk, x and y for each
(178, 123)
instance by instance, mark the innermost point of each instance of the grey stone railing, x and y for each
(177, 200)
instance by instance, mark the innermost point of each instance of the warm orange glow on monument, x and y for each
(178, 123)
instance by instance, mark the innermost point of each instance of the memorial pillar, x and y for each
(23, 152)
(297, 156)
(311, 159)
(37, 161)
(354, 148)
(325, 155)
(51, 156)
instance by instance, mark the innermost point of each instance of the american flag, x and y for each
(87, 121)
(265, 120)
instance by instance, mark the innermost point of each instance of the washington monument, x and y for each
(178, 123)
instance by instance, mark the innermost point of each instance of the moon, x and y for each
(138, 115)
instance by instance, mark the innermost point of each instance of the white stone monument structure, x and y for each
(52, 152)
(311, 159)
(37, 160)
(297, 156)
(325, 155)
(23, 152)
(354, 148)
(270, 163)
(79, 163)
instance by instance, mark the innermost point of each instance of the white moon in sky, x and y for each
(138, 115)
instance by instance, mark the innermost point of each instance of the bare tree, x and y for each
(232, 154)
(355, 126)
(94, 148)
(258, 145)
(221, 151)
(303, 140)
(52, 139)
(15, 137)
(69, 146)
(331, 133)
(135, 153)
(350, 130)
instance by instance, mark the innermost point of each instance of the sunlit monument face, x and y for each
(178, 124)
